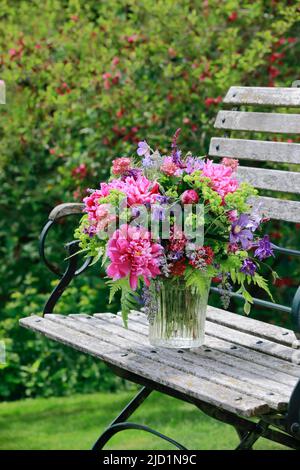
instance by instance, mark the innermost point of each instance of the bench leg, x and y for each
(120, 423)
(249, 438)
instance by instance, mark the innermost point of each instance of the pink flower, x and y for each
(169, 167)
(189, 197)
(233, 163)
(140, 190)
(132, 253)
(221, 178)
(232, 215)
(104, 216)
(121, 165)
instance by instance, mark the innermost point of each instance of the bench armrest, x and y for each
(62, 210)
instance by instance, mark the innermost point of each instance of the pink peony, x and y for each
(169, 167)
(140, 190)
(121, 165)
(233, 163)
(132, 253)
(221, 178)
(189, 197)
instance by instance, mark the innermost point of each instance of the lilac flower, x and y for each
(248, 267)
(147, 161)
(193, 164)
(264, 248)
(143, 149)
(241, 233)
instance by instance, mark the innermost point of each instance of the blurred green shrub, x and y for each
(85, 82)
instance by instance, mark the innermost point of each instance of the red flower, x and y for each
(210, 101)
(178, 268)
(233, 17)
(80, 171)
(273, 71)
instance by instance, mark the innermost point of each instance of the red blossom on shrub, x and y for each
(233, 17)
(212, 101)
(80, 171)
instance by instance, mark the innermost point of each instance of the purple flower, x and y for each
(143, 149)
(147, 161)
(264, 248)
(176, 157)
(193, 164)
(240, 232)
(134, 172)
(248, 267)
(162, 199)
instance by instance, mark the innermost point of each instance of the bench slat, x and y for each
(168, 376)
(275, 365)
(255, 327)
(278, 209)
(275, 180)
(260, 122)
(202, 364)
(243, 149)
(263, 96)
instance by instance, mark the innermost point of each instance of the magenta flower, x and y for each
(140, 190)
(221, 178)
(132, 253)
(189, 196)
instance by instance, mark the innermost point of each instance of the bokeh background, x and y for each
(86, 80)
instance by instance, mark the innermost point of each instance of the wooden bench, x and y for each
(248, 372)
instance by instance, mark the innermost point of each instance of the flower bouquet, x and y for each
(163, 226)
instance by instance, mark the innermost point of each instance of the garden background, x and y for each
(86, 80)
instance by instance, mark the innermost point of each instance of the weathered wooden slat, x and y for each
(192, 386)
(259, 150)
(278, 209)
(275, 180)
(208, 356)
(62, 210)
(226, 346)
(263, 96)
(202, 365)
(260, 122)
(257, 328)
(263, 345)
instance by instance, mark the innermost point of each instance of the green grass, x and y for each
(75, 423)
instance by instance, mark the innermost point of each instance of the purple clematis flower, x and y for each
(143, 149)
(248, 267)
(241, 233)
(264, 248)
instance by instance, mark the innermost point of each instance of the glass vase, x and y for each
(180, 311)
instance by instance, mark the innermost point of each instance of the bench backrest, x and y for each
(263, 150)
